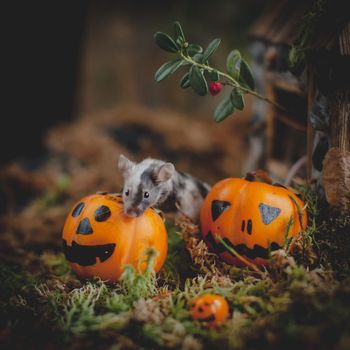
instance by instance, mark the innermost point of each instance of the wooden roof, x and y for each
(281, 21)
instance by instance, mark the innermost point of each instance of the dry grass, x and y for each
(300, 300)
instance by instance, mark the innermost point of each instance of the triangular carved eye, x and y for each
(268, 213)
(84, 227)
(218, 207)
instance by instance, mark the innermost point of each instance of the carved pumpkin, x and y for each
(99, 239)
(253, 218)
(210, 309)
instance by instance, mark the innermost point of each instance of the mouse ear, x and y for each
(125, 165)
(164, 172)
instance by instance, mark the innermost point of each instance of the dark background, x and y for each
(45, 45)
(42, 51)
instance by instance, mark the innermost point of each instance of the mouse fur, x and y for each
(156, 183)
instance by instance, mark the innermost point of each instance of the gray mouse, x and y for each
(156, 183)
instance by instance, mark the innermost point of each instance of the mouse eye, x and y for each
(126, 192)
(146, 195)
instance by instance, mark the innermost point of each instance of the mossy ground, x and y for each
(300, 301)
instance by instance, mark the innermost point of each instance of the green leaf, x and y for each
(211, 49)
(165, 42)
(198, 82)
(198, 57)
(213, 75)
(179, 41)
(168, 68)
(193, 49)
(224, 109)
(178, 30)
(233, 63)
(185, 81)
(246, 76)
(237, 99)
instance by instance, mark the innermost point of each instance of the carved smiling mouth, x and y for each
(86, 255)
(256, 252)
(210, 318)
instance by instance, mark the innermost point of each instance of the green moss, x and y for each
(311, 25)
(178, 265)
(293, 303)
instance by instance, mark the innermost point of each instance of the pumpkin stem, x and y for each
(286, 234)
(259, 176)
(299, 209)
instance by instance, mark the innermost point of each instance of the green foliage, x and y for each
(246, 76)
(179, 32)
(313, 23)
(237, 99)
(185, 81)
(312, 202)
(214, 76)
(233, 63)
(212, 47)
(56, 194)
(96, 306)
(93, 308)
(178, 265)
(165, 42)
(238, 76)
(167, 69)
(140, 285)
(224, 109)
(286, 305)
(287, 239)
(197, 81)
(193, 49)
(57, 265)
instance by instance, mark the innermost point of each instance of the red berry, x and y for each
(215, 88)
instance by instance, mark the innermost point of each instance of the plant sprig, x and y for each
(238, 73)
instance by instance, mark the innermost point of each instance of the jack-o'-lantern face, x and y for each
(210, 309)
(99, 239)
(253, 218)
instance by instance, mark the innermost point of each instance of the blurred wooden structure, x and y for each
(291, 134)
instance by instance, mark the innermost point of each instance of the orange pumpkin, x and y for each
(99, 239)
(253, 218)
(211, 309)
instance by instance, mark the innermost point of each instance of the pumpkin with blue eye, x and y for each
(252, 218)
(99, 239)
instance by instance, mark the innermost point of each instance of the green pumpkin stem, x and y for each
(238, 256)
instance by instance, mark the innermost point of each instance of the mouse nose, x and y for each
(133, 212)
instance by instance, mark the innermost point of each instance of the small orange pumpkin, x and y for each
(99, 239)
(253, 218)
(211, 309)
